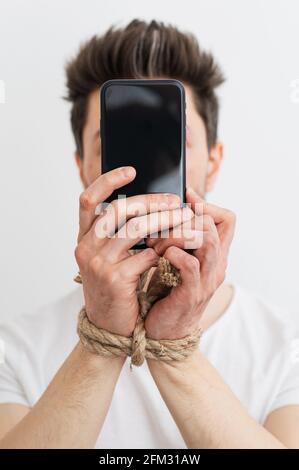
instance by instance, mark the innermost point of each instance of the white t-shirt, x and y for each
(249, 345)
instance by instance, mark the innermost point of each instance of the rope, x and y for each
(139, 346)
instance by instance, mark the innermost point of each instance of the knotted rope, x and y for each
(139, 346)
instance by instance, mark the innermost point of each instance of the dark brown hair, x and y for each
(143, 50)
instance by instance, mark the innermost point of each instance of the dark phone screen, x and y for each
(143, 125)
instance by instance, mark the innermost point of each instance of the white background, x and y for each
(257, 44)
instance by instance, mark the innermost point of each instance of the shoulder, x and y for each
(262, 314)
(45, 326)
(270, 329)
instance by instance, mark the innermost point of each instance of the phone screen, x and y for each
(143, 125)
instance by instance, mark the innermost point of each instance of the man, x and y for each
(240, 388)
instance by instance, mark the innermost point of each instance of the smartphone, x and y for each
(143, 124)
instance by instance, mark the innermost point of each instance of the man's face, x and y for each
(202, 166)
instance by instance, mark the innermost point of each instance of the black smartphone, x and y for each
(143, 124)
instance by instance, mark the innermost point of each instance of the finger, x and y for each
(210, 250)
(205, 244)
(209, 255)
(121, 210)
(137, 264)
(224, 219)
(195, 201)
(98, 191)
(190, 240)
(187, 264)
(138, 228)
(195, 223)
(188, 236)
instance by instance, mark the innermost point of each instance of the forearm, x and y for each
(72, 410)
(204, 408)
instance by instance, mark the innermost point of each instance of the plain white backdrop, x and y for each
(257, 44)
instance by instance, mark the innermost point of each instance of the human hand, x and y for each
(110, 273)
(202, 269)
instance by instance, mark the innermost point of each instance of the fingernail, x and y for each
(128, 171)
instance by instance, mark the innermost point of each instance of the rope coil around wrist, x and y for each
(139, 346)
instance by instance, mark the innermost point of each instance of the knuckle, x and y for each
(187, 212)
(133, 224)
(230, 215)
(130, 207)
(171, 250)
(112, 207)
(85, 200)
(221, 278)
(191, 263)
(81, 253)
(152, 203)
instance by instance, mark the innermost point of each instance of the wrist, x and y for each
(97, 361)
(176, 368)
(157, 330)
(186, 376)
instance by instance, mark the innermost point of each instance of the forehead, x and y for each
(194, 121)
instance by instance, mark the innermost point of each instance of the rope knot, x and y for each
(138, 346)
